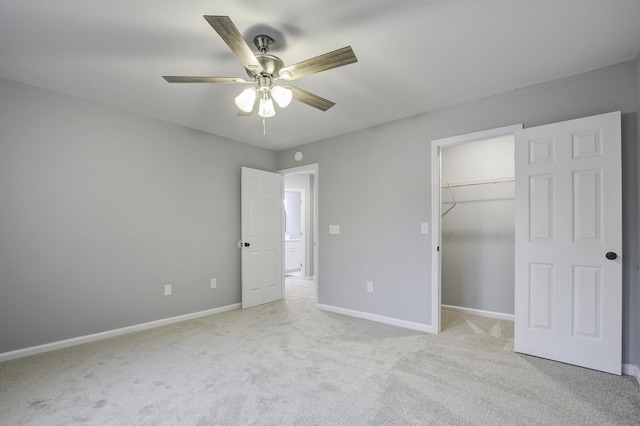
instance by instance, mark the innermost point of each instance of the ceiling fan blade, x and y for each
(230, 34)
(187, 79)
(337, 58)
(310, 99)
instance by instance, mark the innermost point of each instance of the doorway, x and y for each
(475, 182)
(300, 238)
(295, 233)
(478, 227)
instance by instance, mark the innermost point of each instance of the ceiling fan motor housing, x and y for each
(271, 65)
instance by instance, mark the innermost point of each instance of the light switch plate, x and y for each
(334, 229)
(424, 227)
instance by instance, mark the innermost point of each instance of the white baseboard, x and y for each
(631, 370)
(377, 318)
(480, 313)
(33, 350)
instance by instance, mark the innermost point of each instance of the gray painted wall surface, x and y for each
(101, 208)
(636, 320)
(485, 159)
(376, 184)
(478, 232)
(630, 170)
(293, 215)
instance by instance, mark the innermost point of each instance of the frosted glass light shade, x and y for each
(246, 99)
(282, 96)
(266, 108)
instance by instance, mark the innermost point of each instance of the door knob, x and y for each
(247, 245)
(611, 255)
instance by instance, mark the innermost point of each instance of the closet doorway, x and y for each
(473, 195)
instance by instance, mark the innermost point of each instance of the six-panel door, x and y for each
(568, 217)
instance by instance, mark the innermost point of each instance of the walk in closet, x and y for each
(478, 231)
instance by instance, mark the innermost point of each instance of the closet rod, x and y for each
(477, 182)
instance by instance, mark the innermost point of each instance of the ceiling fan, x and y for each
(265, 70)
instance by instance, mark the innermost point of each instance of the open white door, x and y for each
(568, 271)
(261, 244)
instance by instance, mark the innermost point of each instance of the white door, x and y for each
(568, 293)
(261, 242)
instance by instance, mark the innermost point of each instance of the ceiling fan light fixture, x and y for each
(266, 109)
(245, 100)
(282, 96)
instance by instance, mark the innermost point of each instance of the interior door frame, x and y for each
(311, 169)
(436, 208)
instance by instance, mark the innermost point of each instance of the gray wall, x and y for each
(99, 209)
(630, 241)
(636, 320)
(478, 232)
(375, 184)
(293, 215)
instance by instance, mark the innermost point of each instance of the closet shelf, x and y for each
(485, 190)
(478, 182)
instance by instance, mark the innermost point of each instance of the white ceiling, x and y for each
(414, 56)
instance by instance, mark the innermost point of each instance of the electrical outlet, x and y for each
(369, 287)
(167, 290)
(214, 283)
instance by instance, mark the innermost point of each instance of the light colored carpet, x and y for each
(288, 363)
